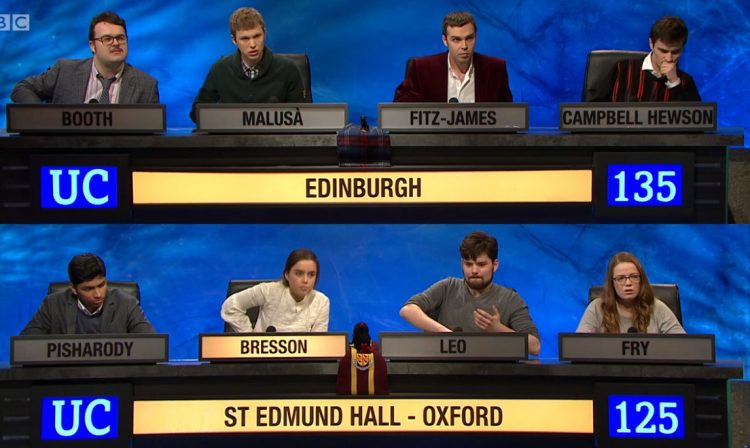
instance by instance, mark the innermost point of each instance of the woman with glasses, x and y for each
(628, 304)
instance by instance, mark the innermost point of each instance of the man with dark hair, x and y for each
(458, 75)
(104, 78)
(655, 77)
(253, 74)
(473, 303)
(87, 306)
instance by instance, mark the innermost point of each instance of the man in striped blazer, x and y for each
(656, 77)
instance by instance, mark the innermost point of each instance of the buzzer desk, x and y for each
(221, 390)
(543, 175)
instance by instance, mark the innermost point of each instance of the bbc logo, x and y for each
(15, 22)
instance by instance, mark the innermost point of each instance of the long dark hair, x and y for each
(644, 301)
(299, 255)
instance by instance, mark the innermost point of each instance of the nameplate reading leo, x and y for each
(86, 118)
(455, 346)
(89, 349)
(638, 117)
(271, 118)
(272, 346)
(453, 117)
(638, 348)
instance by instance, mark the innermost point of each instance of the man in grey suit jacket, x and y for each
(87, 307)
(104, 78)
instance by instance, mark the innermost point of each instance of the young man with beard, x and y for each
(473, 303)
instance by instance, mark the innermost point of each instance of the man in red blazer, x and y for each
(458, 75)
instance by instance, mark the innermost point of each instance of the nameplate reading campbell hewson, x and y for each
(89, 349)
(272, 346)
(271, 118)
(638, 117)
(86, 118)
(453, 117)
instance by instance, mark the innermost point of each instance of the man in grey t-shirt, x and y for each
(473, 303)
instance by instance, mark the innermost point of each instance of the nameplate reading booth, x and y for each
(271, 118)
(272, 346)
(86, 118)
(455, 346)
(89, 349)
(638, 117)
(638, 348)
(453, 117)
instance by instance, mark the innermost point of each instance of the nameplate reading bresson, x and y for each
(638, 348)
(454, 346)
(272, 346)
(89, 349)
(86, 118)
(271, 118)
(638, 117)
(453, 117)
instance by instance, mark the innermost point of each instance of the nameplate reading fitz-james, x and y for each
(271, 118)
(453, 117)
(86, 118)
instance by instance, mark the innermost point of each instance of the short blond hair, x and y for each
(245, 19)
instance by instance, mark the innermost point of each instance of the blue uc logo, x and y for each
(79, 418)
(79, 187)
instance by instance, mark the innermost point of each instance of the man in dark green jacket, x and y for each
(252, 74)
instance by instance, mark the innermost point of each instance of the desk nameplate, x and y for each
(453, 117)
(240, 347)
(271, 118)
(89, 349)
(638, 348)
(638, 117)
(86, 118)
(454, 346)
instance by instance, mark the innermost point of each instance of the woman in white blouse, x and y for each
(290, 305)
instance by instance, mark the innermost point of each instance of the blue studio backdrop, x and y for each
(358, 49)
(369, 271)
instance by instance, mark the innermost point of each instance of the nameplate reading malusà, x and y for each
(89, 349)
(638, 117)
(271, 346)
(271, 118)
(86, 118)
(453, 117)
(638, 348)
(457, 346)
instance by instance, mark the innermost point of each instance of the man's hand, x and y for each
(669, 69)
(487, 321)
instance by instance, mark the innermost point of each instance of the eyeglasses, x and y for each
(622, 279)
(108, 40)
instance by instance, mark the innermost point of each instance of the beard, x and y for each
(478, 283)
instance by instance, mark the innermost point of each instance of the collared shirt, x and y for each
(649, 67)
(461, 90)
(86, 311)
(250, 72)
(277, 309)
(94, 86)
